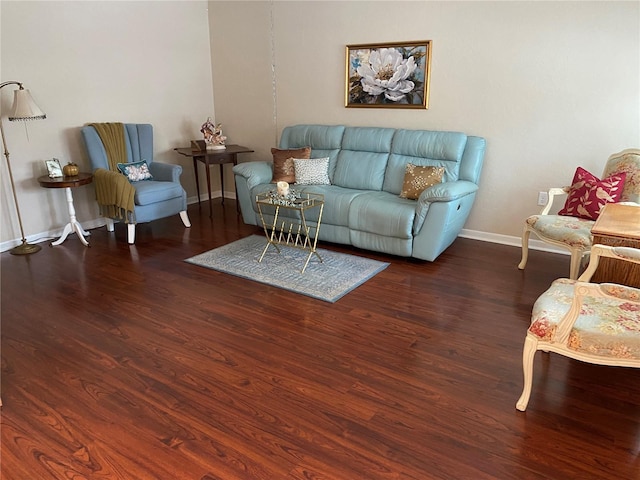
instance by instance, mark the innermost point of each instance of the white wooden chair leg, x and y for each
(110, 223)
(528, 352)
(574, 269)
(131, 233)
(185, 218)
(525, 248)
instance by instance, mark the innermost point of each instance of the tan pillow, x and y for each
(283, 170)
(417, 179)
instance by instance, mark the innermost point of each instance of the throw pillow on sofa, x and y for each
(314, 171)
(417, 179)
(283, 170)
(136, 171)
(588, 194)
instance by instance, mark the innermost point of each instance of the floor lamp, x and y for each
(23, 109)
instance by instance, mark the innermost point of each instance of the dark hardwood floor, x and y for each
(125, 362)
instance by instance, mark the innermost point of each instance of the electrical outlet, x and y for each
(543, 198)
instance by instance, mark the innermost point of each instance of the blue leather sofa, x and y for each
(366, 169)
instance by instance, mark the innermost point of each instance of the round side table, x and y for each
(68, 183)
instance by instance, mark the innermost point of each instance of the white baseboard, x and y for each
(53, 235)
(204, 197)
(512, 241)
(464, 233)
(50, 235)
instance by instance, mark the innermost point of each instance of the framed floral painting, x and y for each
(394, 75)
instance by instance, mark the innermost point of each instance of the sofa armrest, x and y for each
(255, 173)
(165, 172)
(442, 192)
(447, 192)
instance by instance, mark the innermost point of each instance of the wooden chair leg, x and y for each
(574, 269)
(528, 352)
(110, 223)
(525, 248)
(185, 218)
(131, 233)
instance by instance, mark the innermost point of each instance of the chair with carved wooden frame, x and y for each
(594, 323)
(574, 233)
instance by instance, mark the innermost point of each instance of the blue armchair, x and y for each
(160, 197)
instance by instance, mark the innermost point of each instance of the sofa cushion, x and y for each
(383, 214)
(423, 148)
(417, 179)
(337, 203)
(283, 170)
(363, 159)
(152, 192)
(312, 171)
(324, 141)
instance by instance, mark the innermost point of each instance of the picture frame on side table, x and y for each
(53, 168)
(388, 75)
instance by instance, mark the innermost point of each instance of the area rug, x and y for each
(337, 275)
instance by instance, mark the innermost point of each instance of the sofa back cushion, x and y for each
(363, 159)
(423, 148)
(324, 140)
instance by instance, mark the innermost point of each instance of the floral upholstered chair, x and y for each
(595, 323)
(574, 232)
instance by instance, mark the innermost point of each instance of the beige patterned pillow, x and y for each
(417, 179)
(283, 170)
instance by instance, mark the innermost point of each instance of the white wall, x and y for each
(550, 85)
(129, 61)
(241, 59)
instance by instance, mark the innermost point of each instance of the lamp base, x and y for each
(25, 249)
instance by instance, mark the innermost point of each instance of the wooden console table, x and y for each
(619, 226)
(213, 157)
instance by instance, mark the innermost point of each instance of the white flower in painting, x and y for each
(387, 72)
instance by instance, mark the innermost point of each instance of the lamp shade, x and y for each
(24, 108)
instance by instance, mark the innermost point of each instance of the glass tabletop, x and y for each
(293, 199)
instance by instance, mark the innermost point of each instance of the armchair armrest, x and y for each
(254, 173)
(627, 254)
(583, 291)
(165, 172)
(553, 192)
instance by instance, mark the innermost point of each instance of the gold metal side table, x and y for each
(290, 225)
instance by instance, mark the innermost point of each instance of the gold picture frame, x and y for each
(388, 75)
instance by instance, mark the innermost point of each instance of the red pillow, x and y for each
(588, 194)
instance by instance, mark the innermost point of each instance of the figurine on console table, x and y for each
(213, 138)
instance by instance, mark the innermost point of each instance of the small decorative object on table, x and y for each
(283, 188)
(70, 170)
(213, 137)
(53, 168)
(287, 199)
